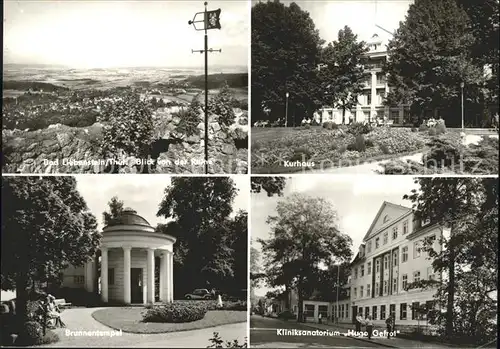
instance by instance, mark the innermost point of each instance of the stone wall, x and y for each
(31, 151)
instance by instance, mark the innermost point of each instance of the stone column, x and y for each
(373, 94)
(127, 298)
(164, 277)
(89, 276)
(104, 274)
(151, 276)
(171, 277)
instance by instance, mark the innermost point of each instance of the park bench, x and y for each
(61, 303)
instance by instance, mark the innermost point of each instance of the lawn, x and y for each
(129, 319)
(322, 148)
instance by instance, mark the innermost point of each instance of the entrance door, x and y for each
(354, 313)
(136, 285)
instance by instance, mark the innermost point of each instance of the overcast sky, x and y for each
(361, 15)
(94, 34)
(141, 193)
(356, 199)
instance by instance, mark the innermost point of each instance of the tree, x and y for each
(271, 185)
(200, 208)
(305, 238)
(343, 75)
(115, 210)
(46, 226)
(285, 53)
(466, 206)
(221, 105)
(429, 58)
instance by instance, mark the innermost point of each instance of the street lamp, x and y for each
(338, 285)
(286, 109)
(462, 88)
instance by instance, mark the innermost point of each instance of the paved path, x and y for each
(80, 319)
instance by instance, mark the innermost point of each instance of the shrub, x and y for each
(31, 333)
(357, 128)
(325, 124)
(130, 128)
(286, 315)
(400, 167)
(222, 106)
(359, 144)
(307, 126)
(423, 127)
(432, 132)
(190, 118)
(218, 342)
(369, 143)
(443, 153)
(329, 125)
(301, 154)
(414, 129)
(440, 127)
(175, 313)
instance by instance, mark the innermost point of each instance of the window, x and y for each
(362, 271)
(386, 262)
(416, 249)
(377, 265)
(355, 273)
(382, 312)
(415, 311)
(377, 242)
(309, 310)
(430, 273)
(405, 227)
(361, 292)
(368, 294)
(429, 307)
(394, 285)
(405, 254)
(395, 258)
(355, 292)
(394, 233)
(402, 311)
(405, 282)
(323, 310)
(394, 116)
(369, 99)
(392, 310)
(347, 310)
(374, 312)
(369, 246)
(360, 311)
(385, 287)
(386, 237)
(416, 276)
(377, 289)
(111, 276)
(78, 279)
(367, 311)
(369, 268)
(342, 311)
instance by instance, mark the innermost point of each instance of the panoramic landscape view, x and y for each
(63, 103)
(375, 87)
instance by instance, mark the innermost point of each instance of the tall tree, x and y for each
(459, 205)
(115, 209)
(46, 226)
(342, 74)
(271, 185)
(305, 237)
(200, 207)
(430, 58)
(285, 53)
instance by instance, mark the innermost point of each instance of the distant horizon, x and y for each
(243, 67)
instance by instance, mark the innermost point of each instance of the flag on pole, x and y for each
(212, 19)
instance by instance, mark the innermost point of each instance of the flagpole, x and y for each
(206, 90)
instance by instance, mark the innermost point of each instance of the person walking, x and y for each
(369, 326)
(390, 325)
(358, 323)
(319, 318)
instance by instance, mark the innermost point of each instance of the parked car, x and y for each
(199, 293)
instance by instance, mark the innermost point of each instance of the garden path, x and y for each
(80, 319)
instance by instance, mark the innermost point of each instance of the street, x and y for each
(264, 333)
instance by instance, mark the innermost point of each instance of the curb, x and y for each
(357, 338)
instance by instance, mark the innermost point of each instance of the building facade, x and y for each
(129, 252)
(389, 259)
(370, 103)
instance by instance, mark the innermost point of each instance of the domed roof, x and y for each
(129, 217)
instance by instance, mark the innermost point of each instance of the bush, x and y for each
(218, 342)
(286, 315)
(130, 127)
(440, 127)
(369, 143)
(175, 313)
(443, 153)
(307, 126)
(414, 129)
(31, 333)
(423, 127)
(359, 128)
(190, 118)
(222, 106)
(432, 132)
(359, 144)
(301, 154)
(329, 125)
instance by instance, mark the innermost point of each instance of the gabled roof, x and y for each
(379, 213)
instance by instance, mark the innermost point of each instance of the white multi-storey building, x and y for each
(370, 103)
(389, 259)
